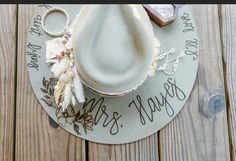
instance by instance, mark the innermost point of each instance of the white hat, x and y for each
(113, 47)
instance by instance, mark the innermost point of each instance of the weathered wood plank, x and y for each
(7, 80)
(142, 150)
(228, 26)
(36, 139)
(199, 132)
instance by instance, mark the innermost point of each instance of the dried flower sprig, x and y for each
(69, 85)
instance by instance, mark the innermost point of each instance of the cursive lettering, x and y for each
(156, 104)
(35, 29)
(32, 52)
(188, 25)
(191, 47)
(45, 6)
(102, 115)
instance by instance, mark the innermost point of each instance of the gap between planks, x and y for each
(36, 139)
(7, 80)
(228, 24)
(225, 81)
(16, 44)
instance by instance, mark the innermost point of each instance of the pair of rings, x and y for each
(61, 32)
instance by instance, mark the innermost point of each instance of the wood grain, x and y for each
(142, 150)
(228, 26)
(199, 132)
(36, 139)
(7, 80)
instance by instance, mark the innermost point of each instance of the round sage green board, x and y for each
(115, 120)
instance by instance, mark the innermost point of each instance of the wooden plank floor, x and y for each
(8, 17)
(204, 130)
(228, 29)
(36, 139)
(200, 131)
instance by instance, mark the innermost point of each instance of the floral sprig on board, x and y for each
(48, 91)
(69, 116)
(85, 119)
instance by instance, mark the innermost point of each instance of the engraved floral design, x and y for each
(64, 117)
(48, 91)
(69, 116)
(84, 119)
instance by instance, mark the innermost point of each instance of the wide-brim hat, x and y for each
(114, 46)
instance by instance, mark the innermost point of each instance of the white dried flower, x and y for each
(65, 77)
(60, 67)
(78, 87)
(58, 90)
(67, 93)
(73, 100)
(54, 48)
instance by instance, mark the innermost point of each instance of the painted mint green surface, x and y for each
(131, 117)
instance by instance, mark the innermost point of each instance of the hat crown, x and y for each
(113, 46)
